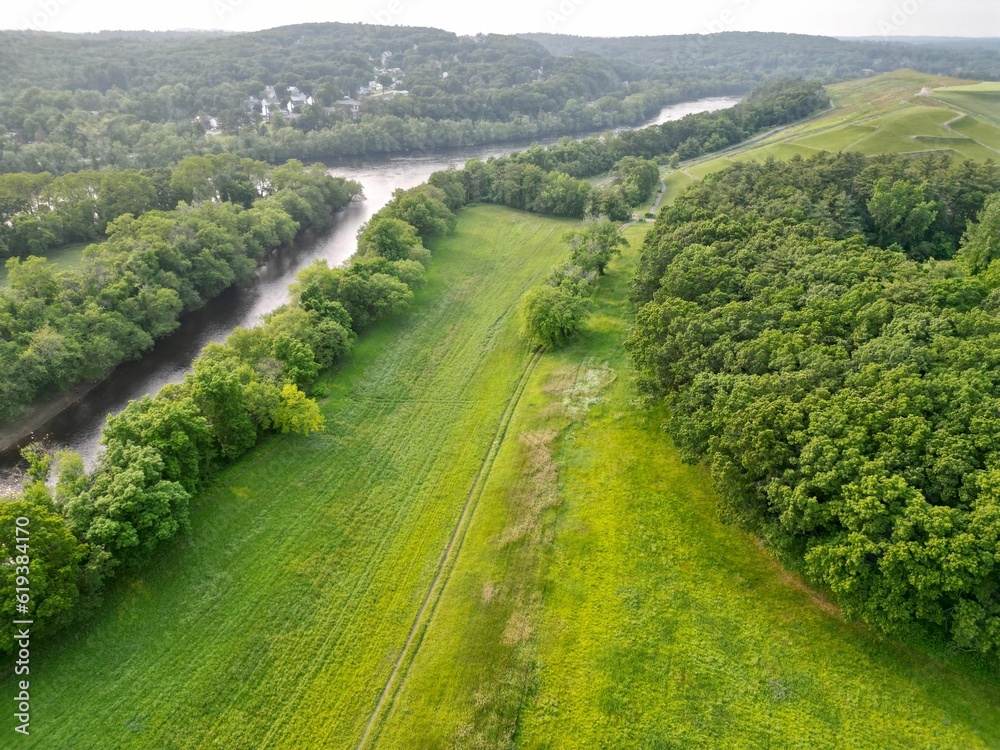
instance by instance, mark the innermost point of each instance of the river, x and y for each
(79, 425)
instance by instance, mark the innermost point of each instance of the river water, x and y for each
(79, 425)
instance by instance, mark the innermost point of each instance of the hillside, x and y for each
(901, 112)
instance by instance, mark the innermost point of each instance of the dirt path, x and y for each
(959, 114)
(652, 209)
(445, 565)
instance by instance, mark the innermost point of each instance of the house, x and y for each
(270, 96)
(374, 86)
(296, 96)
(353, 104)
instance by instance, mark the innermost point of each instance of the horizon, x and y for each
(885, 19)
(231, 32)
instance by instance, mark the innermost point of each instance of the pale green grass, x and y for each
(982, 132)
(62, 258)
(676, 182)
(839, 139)
(881, 114)
(276, 622)
(982, 100)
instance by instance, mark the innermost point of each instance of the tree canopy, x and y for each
(843, 388)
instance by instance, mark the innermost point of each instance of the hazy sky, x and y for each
(584, 17)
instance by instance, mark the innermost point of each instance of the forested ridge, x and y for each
(144, 101)
(826, 335)
(132, 100)
(753, 55)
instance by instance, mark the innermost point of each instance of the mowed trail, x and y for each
(283, 616)
(448, 557)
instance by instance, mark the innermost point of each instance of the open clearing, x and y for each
(575, 586)
(62, 258)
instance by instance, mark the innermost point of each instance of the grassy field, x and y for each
(63, 258)
(901, 112)
(599, 602)
(981, 99)
(277, 622)
(485, 548)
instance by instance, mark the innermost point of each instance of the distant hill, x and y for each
(958, 42)
(768, 52)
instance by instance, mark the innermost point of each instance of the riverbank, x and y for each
(78, 424)
(373, 499)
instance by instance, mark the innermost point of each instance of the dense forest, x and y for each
(171, 242)
(826, 332)
(146, 101)
(97, 100)
(768, 105)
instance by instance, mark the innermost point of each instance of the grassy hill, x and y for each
(485, 548)
(901, 112)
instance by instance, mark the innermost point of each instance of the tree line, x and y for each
(79, 139)
(553, 312)
(145, 101)
(60, 328)
(767, 106)
(160, 452)
(825, 333)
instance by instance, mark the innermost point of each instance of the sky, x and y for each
(886, 18)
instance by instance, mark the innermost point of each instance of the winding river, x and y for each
(79, 425)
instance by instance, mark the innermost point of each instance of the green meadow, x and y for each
(982, 99)
(277, 621)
